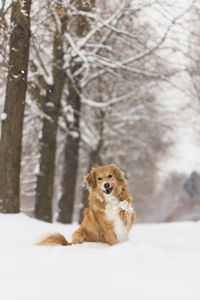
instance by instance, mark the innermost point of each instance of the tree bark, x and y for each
(45, 178)
(51, 108)
(95, 154)
(12, 126)
(70, 167)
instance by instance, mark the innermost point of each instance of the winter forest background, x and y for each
(103, 82)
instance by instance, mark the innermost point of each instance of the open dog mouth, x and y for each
(108, 191)
(108, 187)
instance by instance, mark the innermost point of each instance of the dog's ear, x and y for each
(118, 173)
(90, 179)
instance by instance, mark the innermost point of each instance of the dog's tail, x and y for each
(54, 240)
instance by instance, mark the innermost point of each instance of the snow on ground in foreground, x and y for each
(160, 261)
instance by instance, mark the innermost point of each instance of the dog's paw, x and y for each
(126, 206)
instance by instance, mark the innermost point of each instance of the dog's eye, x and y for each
(110, 176)
(99, 178)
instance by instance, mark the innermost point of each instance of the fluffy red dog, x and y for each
(110, 215)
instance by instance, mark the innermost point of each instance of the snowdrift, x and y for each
(160, 261)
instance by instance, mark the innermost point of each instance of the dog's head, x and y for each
(107, 180)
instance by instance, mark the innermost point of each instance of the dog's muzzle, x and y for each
(108, 188)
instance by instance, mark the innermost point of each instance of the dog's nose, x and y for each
(107, 185)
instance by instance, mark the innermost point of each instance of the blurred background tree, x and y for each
(13, 115)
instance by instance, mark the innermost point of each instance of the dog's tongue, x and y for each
(112, 185)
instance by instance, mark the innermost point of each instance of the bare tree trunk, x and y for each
(51, 108)
(95, 154)
(70, 166)
(45, 178)
(12, 127)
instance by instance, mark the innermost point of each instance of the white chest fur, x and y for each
(112, 213)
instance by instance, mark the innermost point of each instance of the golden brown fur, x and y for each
(100, 224)
(54, 240)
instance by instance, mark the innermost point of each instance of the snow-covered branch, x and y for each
(107, 103)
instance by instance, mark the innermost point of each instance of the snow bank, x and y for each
(160, 261)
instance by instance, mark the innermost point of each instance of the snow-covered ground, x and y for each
(160, 261)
